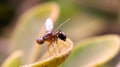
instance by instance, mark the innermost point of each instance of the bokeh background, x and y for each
(88, 18)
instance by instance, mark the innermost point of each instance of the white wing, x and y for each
(49, 25)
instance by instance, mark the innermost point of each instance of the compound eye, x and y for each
(40, 40)
(62, 36)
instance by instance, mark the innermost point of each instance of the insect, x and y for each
(51, 36)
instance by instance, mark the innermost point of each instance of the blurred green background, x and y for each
(88, 18)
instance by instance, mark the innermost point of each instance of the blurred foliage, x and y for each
(13, 60)
(94, 52)
(88, 19)
(6, 13)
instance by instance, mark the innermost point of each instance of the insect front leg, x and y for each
(53, 45)
(49, 49)
(57, 44)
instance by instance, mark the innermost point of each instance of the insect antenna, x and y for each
(63, 23)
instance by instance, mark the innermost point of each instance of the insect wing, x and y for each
(49, 25)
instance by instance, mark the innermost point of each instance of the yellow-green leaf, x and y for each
(94, 51)
(14, 60)
(54, 58)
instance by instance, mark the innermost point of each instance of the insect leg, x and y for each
(49, 49)
(57, 45)
(54, 48)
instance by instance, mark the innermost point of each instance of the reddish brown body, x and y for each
(51, 37)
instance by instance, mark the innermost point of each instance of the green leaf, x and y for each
(14, 60)
(94, 51)
(54, 57)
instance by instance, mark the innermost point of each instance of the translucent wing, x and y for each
(49, 25)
